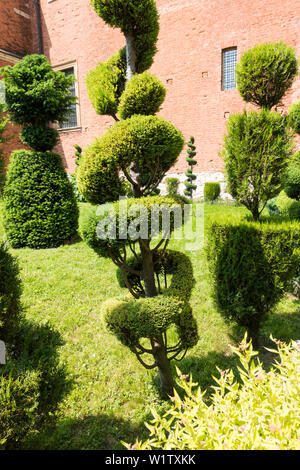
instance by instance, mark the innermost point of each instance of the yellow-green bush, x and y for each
(257, 411)
(106, 82)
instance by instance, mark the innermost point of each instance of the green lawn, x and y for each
(110, 395)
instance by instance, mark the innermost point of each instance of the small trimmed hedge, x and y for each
(291, 177)
(172, 186)
(287, 206)
(40, 209)
(251, 265)
(212, 191)
(258, 410)
(10, 290)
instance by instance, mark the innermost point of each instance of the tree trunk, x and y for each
(130, 57)
(163, 364)
(148, 269)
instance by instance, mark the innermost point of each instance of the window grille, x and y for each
(229, 60)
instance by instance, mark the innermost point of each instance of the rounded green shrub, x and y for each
(106, 83)
(287, 206)
(291, 178)
(144, 94)
(40, 208)
(265, 73)
(35, 93)
(212, 191)
(10, 290)
(251, 266)
(151, 142)
(294, 117)
(39, 138)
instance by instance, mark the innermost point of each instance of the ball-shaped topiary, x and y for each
(287, 206)
(144, 94)
(40, 207)
(35, 93)
(39, 138)
(10, 290)
(148, 141)
(294, 117)
(265, 73)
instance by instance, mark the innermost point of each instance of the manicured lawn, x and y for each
(110, 395)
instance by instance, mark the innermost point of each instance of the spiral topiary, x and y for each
(191, 151)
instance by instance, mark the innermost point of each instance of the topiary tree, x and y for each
(265, 73)
(258, 143)
(291, 177)
(40, 207)
(255, 152)
(251, 266)
(138, 150)
(172, 186)
(191, 151)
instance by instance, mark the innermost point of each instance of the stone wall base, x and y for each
(202, 178)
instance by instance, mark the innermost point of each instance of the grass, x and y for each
(110, 395)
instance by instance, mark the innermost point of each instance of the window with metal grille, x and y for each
(71, 118)
(229, 59)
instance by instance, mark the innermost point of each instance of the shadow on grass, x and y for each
(93, 432)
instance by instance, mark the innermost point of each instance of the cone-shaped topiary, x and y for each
(40, 208)
(190, 186)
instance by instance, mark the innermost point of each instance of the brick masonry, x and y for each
(192, 36)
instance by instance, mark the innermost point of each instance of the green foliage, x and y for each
(144, 94)
(152, 143)
(35, 93)
(73, 181)
(256, 411)
(121, 216)
(272, 208)
(10, 289)
(18, 407)
(78, 154)
(251, 265)
(294, 117)
(191, 151)
(106, 83)
(291, 177)
(265, 73)
(288, 207)
(40, 207)
(39, 138)
(132, 320)
(255, 151)
(212, 191)
(3, 123)
(137, 17)
(172, 186)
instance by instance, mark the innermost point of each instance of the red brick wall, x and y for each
(192, 36)
(16, 26)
